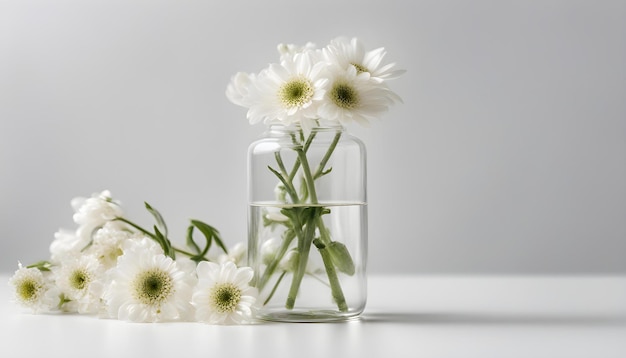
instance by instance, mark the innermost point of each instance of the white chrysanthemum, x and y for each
(223, 294)
(236, 254)
(291, 260)
(269, 249)
(65, 244)
(147, 286)
(351, 96)
(92, 213)
(80, 280)
(347, 53)
(100, 208)
(238, 90)
(274, 215)
(280, 192)
(287, 51)
(31, 289)
(107, 243)
(288, 93)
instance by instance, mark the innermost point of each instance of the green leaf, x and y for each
(165, 243)
(279, 176)
(158, 217)
(304, 190)
(190, 241)
(41, 265)
(209, 233)
(288, 212)
(341, 257)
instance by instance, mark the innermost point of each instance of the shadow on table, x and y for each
(493, 319)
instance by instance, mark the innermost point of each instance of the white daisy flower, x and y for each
(274, 215)
(100, 208)
(280, 192)
(31, 289)
(80, 280)
(223, 294)
(288, 93)
(236, 254)
(107, 243)
(287, 51)
(269, 249)
(147, 286)
(238, 90)
(65, 244)
(351, 96)
(92, 213)
(351, 53)
(291, 261)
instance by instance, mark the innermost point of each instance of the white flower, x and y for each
(92, 213)
(351, 52)
(100, 208)
(65, 244)
(222, 295)
(238, 90)
(274, 215)
(291, 260)
(351, 96)
(289, 92)
(236, 254)
(338, 84)
(80, 280)
(280, 192)
(287, 51)
(147, 286)
(31, 289)
(108, 241)
(269, 249)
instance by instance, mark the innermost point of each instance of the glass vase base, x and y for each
(309, 316)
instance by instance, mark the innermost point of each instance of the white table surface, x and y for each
(406, 316)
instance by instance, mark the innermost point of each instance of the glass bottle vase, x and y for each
(307, 223)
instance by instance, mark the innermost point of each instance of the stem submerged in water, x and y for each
(304, 247)
(307, 221)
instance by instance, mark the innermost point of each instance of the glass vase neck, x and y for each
(295, 127)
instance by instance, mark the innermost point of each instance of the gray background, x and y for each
(507, 157)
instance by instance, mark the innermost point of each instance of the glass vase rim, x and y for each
(297, 127)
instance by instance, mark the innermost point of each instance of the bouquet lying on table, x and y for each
(112, 267)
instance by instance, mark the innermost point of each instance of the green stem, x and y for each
(280, 278)
(320, 168)
(286, 179)
(288, 186)
(307, 175)
(319, 279)
(335, 286)
(186, 252)
(166, 245)
(269, 270)
(323, 231)
(305, 148)
(137, 227)
(304, 247)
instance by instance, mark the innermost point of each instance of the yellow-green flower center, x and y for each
(28, 290)
(225, 297)
(296, 92)
(344, 95)
(109, 257)
(359, 68)
(153, 287)
(80, 279)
